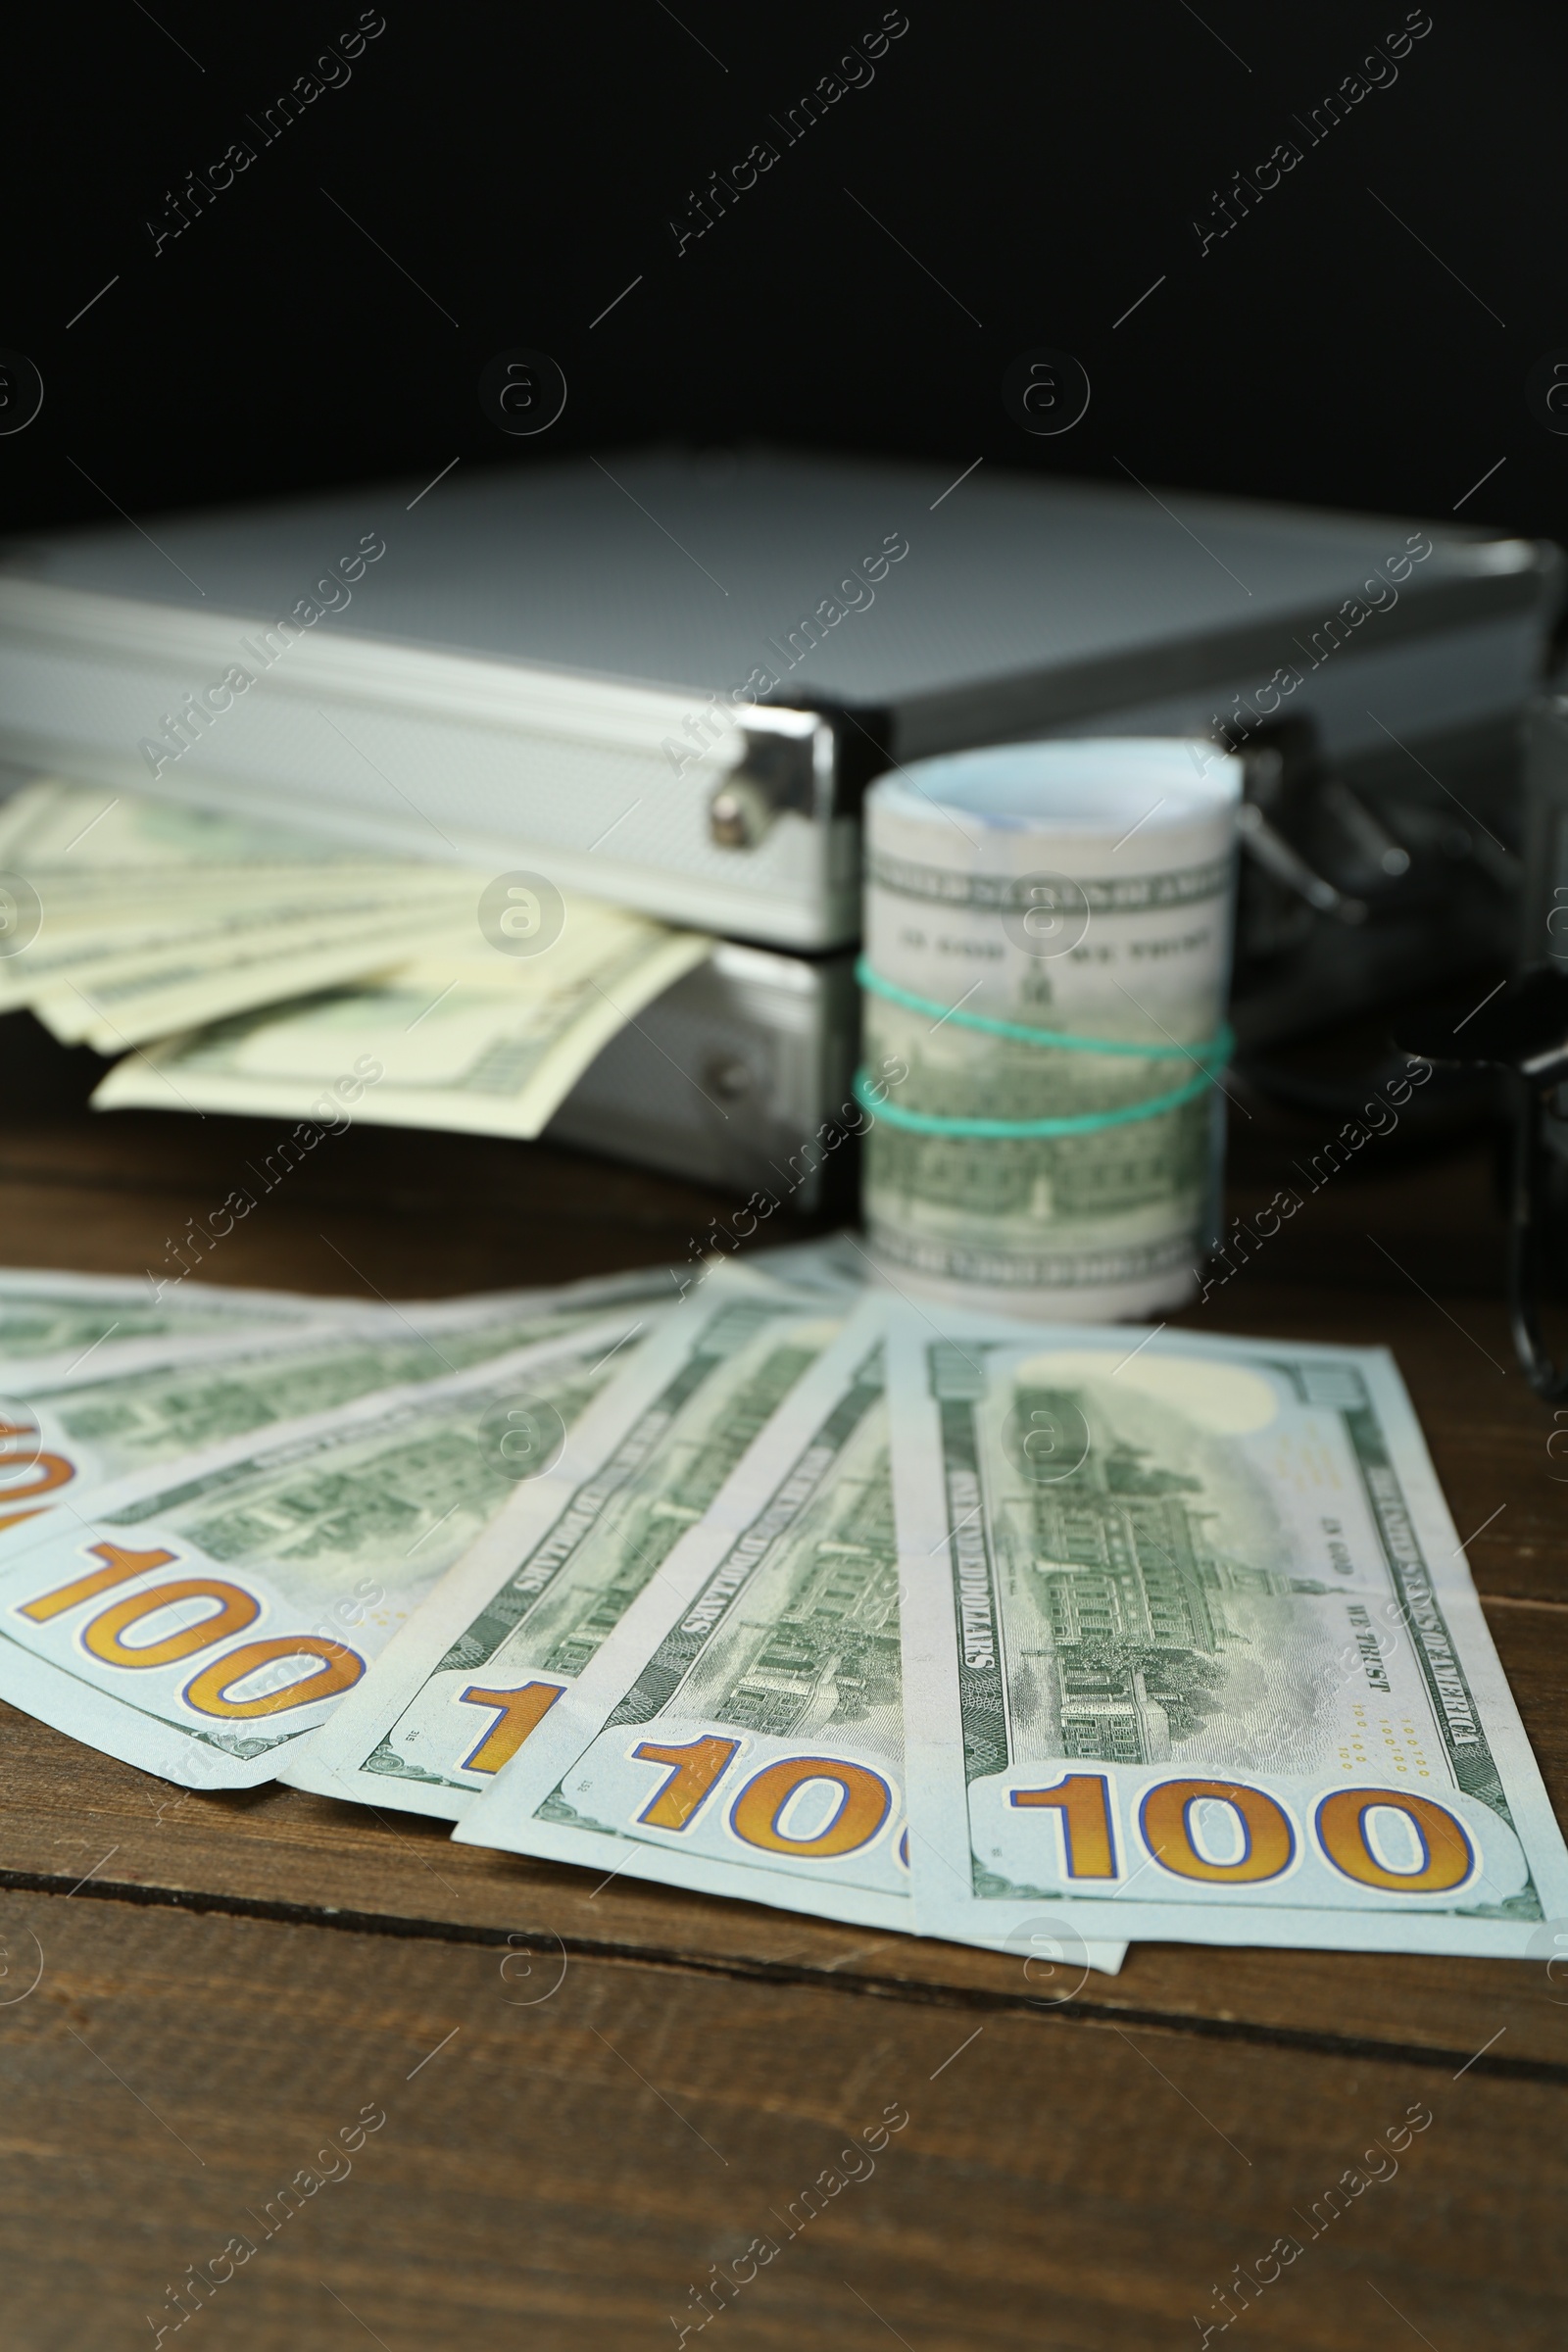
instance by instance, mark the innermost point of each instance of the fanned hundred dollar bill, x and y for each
(199, 1618)
(1194, 1651)
(515, 1624)
(61, 1437)
(51, 1323)
(741, 1731)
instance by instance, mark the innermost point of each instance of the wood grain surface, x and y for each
(593, 2098)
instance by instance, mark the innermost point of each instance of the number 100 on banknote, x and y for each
(742, 1730)
(1192, 1652)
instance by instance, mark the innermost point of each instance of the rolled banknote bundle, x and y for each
(1047, 931)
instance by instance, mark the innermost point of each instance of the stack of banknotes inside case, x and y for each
(773, 1585)
(257, 971)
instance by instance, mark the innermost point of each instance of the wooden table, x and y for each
(594, 2096)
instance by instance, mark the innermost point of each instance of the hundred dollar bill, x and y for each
(110, 857)
(1047, 949)
(741, 1731)
(835, 1263)
(199, 1618)
(137, 969)
(516, 1623)
(254, 956)
(115, 912)
(1194, 1650)
(60, 1438)
(70, 827)
(51, 1322)
(120, 864)
(465, 1038)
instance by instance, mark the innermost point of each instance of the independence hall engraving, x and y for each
(1135, 1589)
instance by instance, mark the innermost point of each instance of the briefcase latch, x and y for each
(773, 772)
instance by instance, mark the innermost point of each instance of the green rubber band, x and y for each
(1215, 1049)
(1088, 1122)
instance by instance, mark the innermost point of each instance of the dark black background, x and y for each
(1044, 164)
